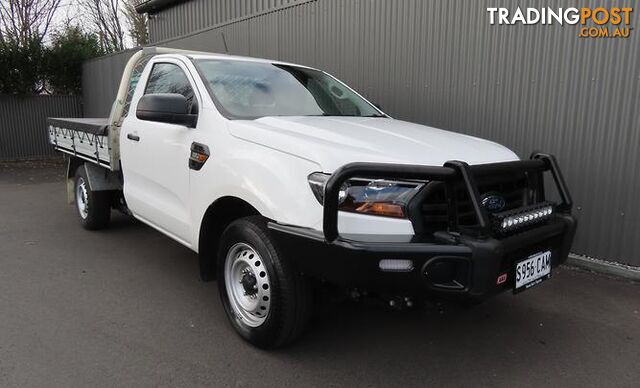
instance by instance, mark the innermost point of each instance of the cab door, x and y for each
(155, 156)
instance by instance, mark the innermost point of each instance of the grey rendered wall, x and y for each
(23, 130)
(441, 64)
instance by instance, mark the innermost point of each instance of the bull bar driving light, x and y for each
(396, 265)
(516, 219)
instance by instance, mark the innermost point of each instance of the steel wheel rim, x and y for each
(249, 301)
(82, 198)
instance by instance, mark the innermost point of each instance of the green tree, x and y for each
(21, 66)
(69, 48)
(23, 27)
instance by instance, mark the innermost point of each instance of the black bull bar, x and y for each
(451, 172)
(474, 254)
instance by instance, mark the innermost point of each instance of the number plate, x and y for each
(532, 271)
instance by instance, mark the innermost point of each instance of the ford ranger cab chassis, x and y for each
(282, 178)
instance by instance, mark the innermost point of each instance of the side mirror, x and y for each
(171, 108)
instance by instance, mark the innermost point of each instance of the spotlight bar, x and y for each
(516, 219)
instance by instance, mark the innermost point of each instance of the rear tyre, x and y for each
(94, 207)
(266, 300)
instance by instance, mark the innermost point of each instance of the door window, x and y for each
(169, 78)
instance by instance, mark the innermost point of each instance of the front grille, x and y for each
(439, 213)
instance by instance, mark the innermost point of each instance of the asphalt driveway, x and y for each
(124, 307)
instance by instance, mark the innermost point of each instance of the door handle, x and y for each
(133, 137)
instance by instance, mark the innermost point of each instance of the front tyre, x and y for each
(94, 207)
(266, 300)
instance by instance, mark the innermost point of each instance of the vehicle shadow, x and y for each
(443, 342)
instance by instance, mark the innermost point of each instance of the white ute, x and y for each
(287, 181)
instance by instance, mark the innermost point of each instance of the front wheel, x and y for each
(266, 300)
(94, 207)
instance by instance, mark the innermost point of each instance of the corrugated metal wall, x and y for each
(23, 133)
(193, 15)
(442, 64)
(100, 81)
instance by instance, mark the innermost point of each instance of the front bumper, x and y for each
(468, 267)
(467, 263)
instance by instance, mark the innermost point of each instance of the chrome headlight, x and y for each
(380, 197)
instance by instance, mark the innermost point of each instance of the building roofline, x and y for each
(153, 6)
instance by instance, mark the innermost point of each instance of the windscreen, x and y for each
(250, 90)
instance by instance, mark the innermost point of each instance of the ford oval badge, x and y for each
(493, 202)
